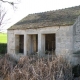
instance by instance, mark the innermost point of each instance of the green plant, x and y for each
(3, 48)
(77, 52)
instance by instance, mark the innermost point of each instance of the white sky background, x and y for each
(26, 7)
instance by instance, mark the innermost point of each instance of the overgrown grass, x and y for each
(3, 38)
(34, 68)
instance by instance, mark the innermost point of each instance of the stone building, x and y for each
(54, 32)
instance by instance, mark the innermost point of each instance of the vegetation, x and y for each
(3, 43)
(3, 48)
(34, 68)
(3, 38)
(77, 52)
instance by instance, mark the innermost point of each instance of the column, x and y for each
(16, 43)
(41, 44)
(25, 44)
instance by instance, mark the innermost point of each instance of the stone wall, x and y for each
(11, 42)
(76, 34)
(67, 40)
(64, 40)
(75, 58)
(63, 34)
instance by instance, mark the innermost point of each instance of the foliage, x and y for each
(77, 52)
(3, 48)
(76, 70)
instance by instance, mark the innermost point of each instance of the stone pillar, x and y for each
(29, 44)
(16, 43)
(25, 44)
(41, 44)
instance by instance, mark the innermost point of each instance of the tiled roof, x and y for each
(61, 17)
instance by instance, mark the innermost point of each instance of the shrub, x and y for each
(77, 52)
(34, 68)
(3, 48)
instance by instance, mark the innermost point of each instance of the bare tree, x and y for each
(3, 11)
(12, 3)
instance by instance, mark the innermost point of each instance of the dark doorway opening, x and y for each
(34, 43)
(21, 43)
(50, 43)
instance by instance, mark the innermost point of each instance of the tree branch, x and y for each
(12, 3)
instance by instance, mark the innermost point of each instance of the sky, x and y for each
(25, 7)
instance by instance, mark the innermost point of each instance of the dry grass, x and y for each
(34, 68)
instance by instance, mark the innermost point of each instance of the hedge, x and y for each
(3, 48)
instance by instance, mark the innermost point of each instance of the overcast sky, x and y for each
(25, 7)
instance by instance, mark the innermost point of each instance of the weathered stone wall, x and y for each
(76, 34)
(64, 39)
(75, 58)
(11, 42)
(67, 40)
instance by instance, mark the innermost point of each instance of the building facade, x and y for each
(41, 34)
